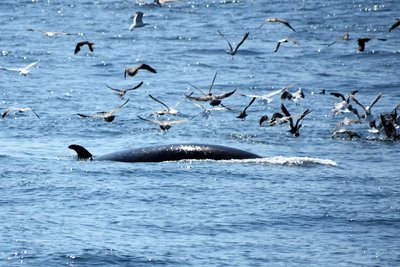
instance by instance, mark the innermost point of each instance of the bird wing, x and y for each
(245, 36)
(150, 121)
(358, 102)
(375, 100)
(30, 65)
(395, 25)
(278, 44)
(175, 122)
(222, 96)
(146, 67)
(251, 102)
(287, 114)
(135, 87)
(212, 84)
(77, 48)
(230, 46)
(286, 23)
(118, 108)
(338, 95)
(159, 101)
(195, 87)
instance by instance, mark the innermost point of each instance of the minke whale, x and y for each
(172, 152)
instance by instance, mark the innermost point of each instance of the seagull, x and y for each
(269, 96)
(295, 128)
(295, 97)
(368, 116)
(48, 34)
(278, 119)
(344, 106)
(346, 122)
(161, 2)
(243, 114)
(23, 70)
(132, 71)
(137, 21)
(169, 110)
(361, 42)
(121, 92)
(395, 25)
(164, 125)
(285, 40)
(214, 100)
(108, 116)
(348, 132)
(232, 51)
(344, 37)
(18, 110)
(82, 43)
(279, 20)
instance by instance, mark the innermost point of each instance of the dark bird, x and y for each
(243, 114)
(344, 37)
(285, 40)
(18, 110)
(232, 51)
(214, 100)
(361, 42)
(164, 125)
(108, 116)
(263, 119)
(395, 25)
(279, 20)
(121, 92)
(295, 97)
(278, 119)
(295, 128)
(80, 44)
(132, 71)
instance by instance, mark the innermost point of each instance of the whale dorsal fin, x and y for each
(83, 153)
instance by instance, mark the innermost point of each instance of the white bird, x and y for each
(22, 70)
(137, 21)
(164, 125)
(161, 2)
(285, 40)
(18, 110)
(169, 109)
(269, 96)
(368, 116)
(49, 34)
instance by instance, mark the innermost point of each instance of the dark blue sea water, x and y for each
(311, 201)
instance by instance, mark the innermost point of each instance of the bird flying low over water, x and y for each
(169, 109)
(361, 42)
(368, 116)
(214, 100)
(121, 92)
(278, 20)
(164, 125)
(132, 71)
(232, 51)
(108, 116)
(295, 97)
(395, 25)
(18, 110)
(295, 128)
(137, 21)
(243, 114)
(350, 133)
(47, 33)
(285, 40)
(161, 2)
(82, 43)
(22, 70)
(344, 37)
(344, 106)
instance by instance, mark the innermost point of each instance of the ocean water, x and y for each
(312, 200)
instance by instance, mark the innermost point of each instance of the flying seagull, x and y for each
(137, 21)
(395, 25)
(243, 114)
(108, 116)
(161, 2)
(121, 92)
(22, 70)
(18, 110)
(82, 43)
(279, 20)
(295, 128)
(361, 42)
(285, 40)
(344, 37)
(232, 51)
(164, 125)
(214, 100)
(47, 33)
(169, 109)
(132, 71)
(368, 116)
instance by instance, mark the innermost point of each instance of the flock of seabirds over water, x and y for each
(353, 110)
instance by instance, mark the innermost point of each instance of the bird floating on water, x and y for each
(22, 70)
(132, 71)
(82, 43)
(137, 21)
(121, 92)
(232, 51)
(108, 116)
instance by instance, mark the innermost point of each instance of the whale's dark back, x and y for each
(176, 152)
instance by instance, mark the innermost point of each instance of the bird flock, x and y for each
(353, 110)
